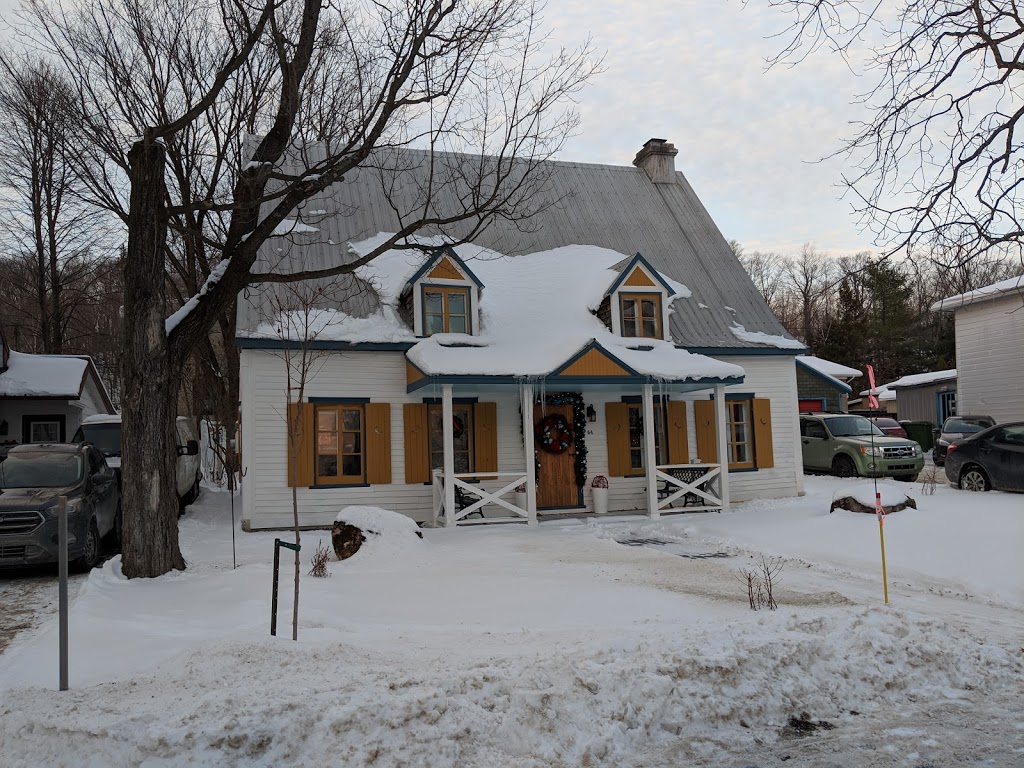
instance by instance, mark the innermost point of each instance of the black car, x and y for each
(954, 428)
(32, 478)
(992, 458)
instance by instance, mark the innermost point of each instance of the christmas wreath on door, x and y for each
(554, 433)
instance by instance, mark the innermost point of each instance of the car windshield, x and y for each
(39, 469)
(966, 426)
(852, 426)
(106, 437)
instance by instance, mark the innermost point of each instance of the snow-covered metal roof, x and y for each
(922, 379)
(1008, 287)
(612, 207)
(828, 368)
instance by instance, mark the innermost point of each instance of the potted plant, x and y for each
(521, 495)
(599, 493)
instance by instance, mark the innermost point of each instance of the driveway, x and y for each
(28, 597)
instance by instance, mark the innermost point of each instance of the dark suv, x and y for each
(32, 478)
(955, 428)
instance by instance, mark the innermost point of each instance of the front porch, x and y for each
(553, 488)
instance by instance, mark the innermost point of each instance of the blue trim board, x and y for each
(455, 400)
(436, 255)
(735, 396)
(338, 400)
(691, 385)
(638, 259)
(744, 351)
(830, 380)
(324, 344)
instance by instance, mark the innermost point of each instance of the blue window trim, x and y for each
(338, 400)
(745, 351)
(423, 306)
(322, 486)
(634, 399)
(435, 256)
(737, 396)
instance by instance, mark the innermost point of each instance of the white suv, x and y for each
(104, 432)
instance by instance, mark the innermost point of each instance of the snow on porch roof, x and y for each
(29, 375)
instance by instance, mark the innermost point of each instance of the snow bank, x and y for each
(389, 535)
(864, 493)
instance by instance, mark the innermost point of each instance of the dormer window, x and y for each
(641, 314)
(445, 309)
(445, 295)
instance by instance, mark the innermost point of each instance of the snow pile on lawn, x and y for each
(388, 534)
(892, 493)
(515, 646)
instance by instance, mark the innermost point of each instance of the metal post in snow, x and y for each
(273, 595)
(62, 590)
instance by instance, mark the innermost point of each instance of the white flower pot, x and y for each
(600, 497)
(521, 500)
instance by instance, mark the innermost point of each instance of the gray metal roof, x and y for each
(614, 207)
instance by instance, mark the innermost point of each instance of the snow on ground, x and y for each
(550, 646)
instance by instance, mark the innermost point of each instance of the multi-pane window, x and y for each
(339, 444)
(637, 442)
(741, 434)
(947, 405)
(462, 427)
(44, 431)
(641, 315)
(445, 310)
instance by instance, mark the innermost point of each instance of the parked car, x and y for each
(992, 458)
(104, 431)
(848, 445)
(889, 426)
(954, 428)
(32, 478)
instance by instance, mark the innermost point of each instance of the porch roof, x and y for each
(596, 364)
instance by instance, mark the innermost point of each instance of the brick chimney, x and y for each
(657, 158)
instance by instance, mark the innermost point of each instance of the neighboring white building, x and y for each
(989, 326)
(447, 376)
(43, 398)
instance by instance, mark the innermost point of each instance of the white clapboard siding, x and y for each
(990, 359)
(379, 376)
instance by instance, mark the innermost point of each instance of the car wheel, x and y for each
(974, 479)
(90, 556)
(843, 466)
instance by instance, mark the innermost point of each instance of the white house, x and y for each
(43, 398)
(447, 377)
(989, 327)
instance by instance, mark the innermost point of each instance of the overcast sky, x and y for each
(692, 72)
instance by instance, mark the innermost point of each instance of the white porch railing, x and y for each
(689, 482)
(483, 496)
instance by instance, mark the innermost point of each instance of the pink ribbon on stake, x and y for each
(872, 400)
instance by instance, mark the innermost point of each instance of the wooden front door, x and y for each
(556, 483)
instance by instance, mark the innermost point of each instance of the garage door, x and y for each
(811, 406)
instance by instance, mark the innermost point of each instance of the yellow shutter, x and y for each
(300, 437)
(617, 418)
(678, 449)
(417, 446)
(764, 453)
(378, 443)
(704, 418)
(485, 438)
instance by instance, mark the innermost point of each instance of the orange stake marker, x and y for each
(881, 537)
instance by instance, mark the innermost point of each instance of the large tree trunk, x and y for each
(150, 501)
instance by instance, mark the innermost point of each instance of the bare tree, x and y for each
(169, 90)
(809, 276)
(50, 236)
(768, 270)
(939, 157)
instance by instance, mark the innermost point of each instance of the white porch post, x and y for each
(721, 427)
(650, 451)
(448, 428)
(529, 450)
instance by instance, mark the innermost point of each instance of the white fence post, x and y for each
(531, 459)
(721, 427)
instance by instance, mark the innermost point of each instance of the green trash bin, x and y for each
(920, 432)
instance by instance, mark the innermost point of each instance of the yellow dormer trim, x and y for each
(639, 278)
(594, 363)
(445, 270)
